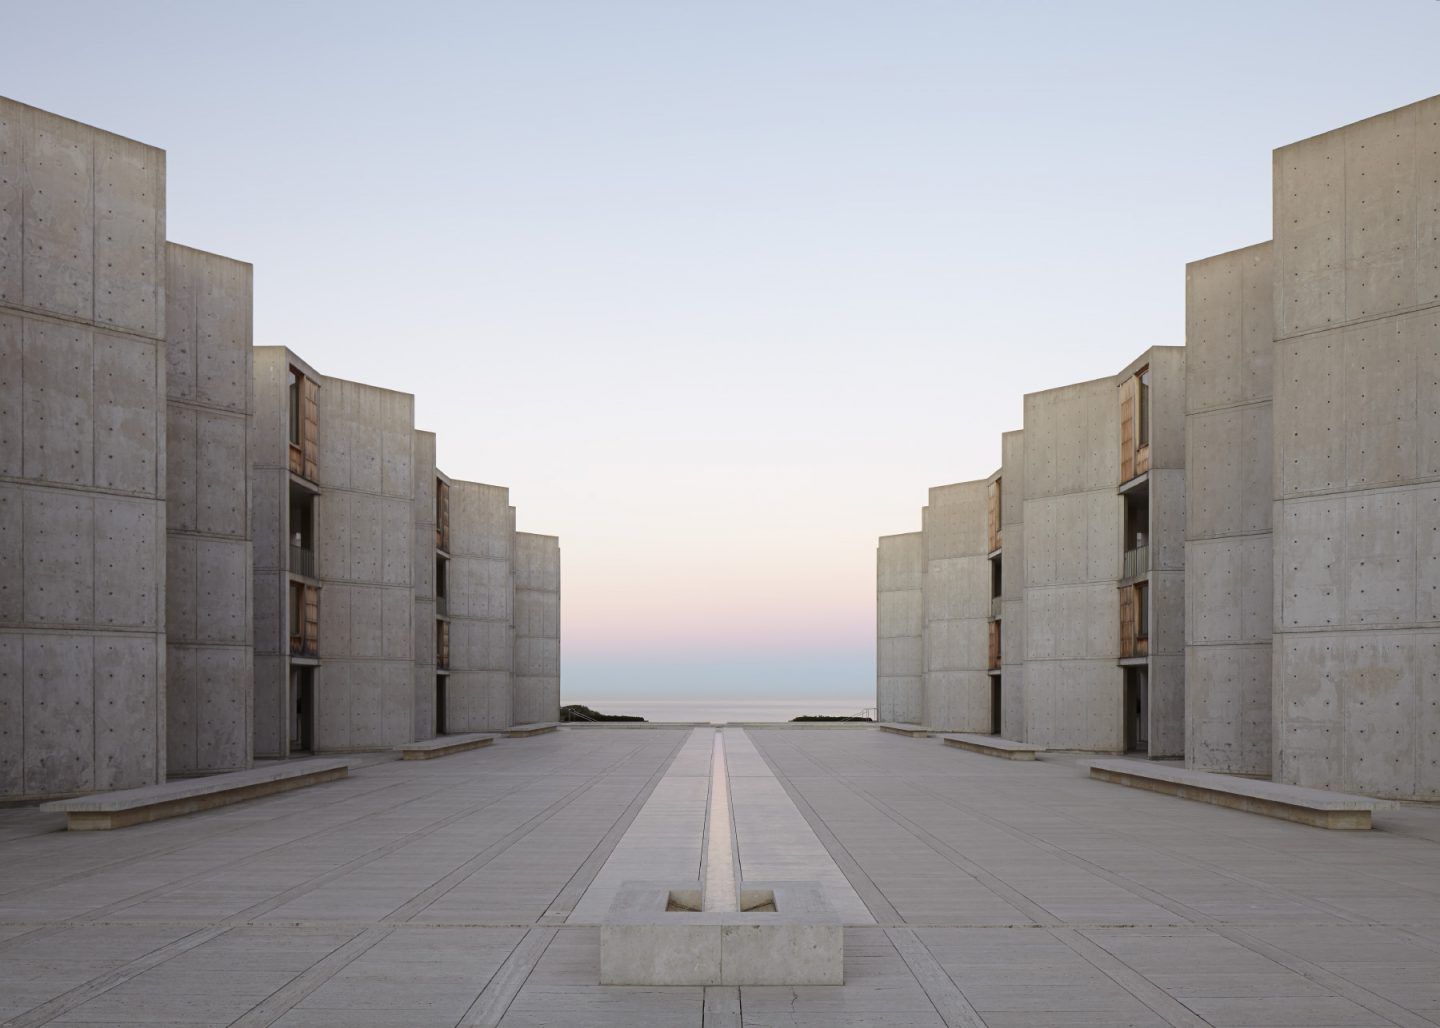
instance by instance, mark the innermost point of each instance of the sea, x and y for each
(728, 708)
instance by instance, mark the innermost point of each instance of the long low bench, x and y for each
(443, 746)
(105, 810)
(1318, 807)
(900, 728)
(538, 728)
(993, 746)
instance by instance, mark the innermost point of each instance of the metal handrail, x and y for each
(302, 560)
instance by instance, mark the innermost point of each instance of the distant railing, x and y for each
(996, 604)
(1137, 562)
(442, 606)
(302, 561)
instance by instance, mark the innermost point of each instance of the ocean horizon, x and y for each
(729, 709)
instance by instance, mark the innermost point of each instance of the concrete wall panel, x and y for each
(128, 414)
(59, 714)
(12, 562)
(59, 565)
(58, 388)
(128, 549)
(12, 416)
(128, 674)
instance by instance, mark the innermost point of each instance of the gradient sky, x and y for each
(718, 289)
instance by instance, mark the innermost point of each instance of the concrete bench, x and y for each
(1318, 807)
(914, 731)
(105, 810)
(994, 746)
(538, 728)
(443, 746)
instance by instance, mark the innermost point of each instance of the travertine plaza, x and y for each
(224, 573)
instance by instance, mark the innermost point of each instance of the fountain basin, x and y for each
(786, 933)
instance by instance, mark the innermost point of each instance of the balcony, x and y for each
(302, 561)
(1137, 562)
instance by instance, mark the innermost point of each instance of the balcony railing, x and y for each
(1137, 562)
(302, 561)
(442, 606)
(996, 603)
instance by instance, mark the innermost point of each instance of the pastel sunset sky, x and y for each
(719, 288)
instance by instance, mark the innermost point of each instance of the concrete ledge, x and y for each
(443, 746)
(106, 810)
(994, 746)
(899, 728)
(539, 728)
(1319, 808)
(800, 942)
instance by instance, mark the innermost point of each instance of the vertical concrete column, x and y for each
(1229, 344)
(1357, 457)
(365, 691)
(1012, 585)
(956, 599)
(482, 648)
(1072, 516)
(899, 628)
(535, 685)
(82, 458)
(424, 565)
(209, 673)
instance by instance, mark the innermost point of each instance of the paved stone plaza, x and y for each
(466, 891)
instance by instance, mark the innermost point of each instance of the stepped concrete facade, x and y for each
(210, 551)
(1256, 592)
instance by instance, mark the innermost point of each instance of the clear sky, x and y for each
(719, 288)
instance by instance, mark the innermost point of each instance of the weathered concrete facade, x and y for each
(535, 677)
(1053, 592)
(209, 668)
(366, 689)
(1229, 340)
(481, 605)
(82, 457)
(1357, 457)
(175, 502)
(1308, 490)
(900, 627)
(956, 597)
(1073, 682)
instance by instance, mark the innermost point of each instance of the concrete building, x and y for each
(900, 626)
(1305, 476)
(1229, 573)
(174, 504)
(82, 457)
(535, 675)
(1053, 591)
(389, 587)
(956, 599)
(1357, 457)
(209, 666)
